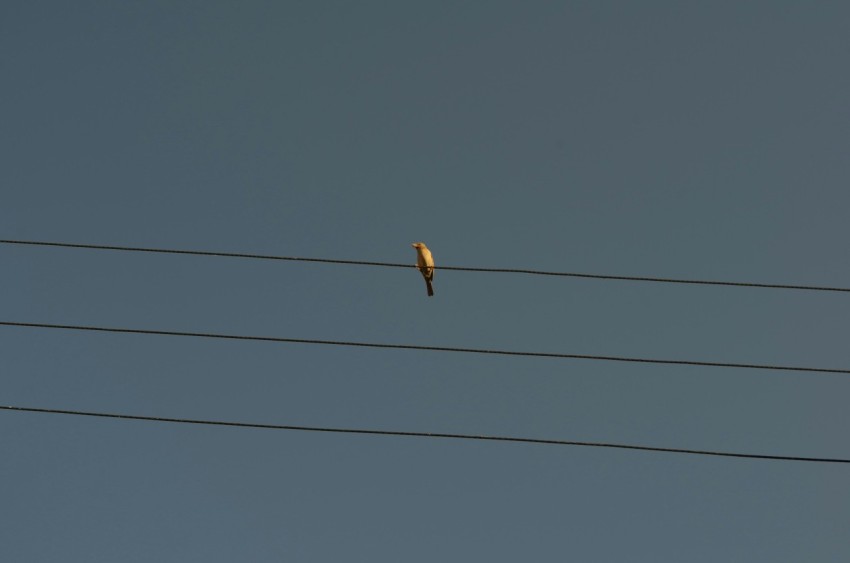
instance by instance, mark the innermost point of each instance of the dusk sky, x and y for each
(674, 139)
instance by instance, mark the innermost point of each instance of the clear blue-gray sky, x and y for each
(662, 138)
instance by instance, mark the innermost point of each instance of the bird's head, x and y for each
(418, 245)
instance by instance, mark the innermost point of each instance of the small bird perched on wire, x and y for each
(425, 263)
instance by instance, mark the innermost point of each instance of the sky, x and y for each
(699, 140)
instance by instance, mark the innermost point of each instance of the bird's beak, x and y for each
(413, 245)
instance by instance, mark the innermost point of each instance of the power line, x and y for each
(451, 268)
(423, 435)
(418, 347)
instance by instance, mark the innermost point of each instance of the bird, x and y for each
(425, 263)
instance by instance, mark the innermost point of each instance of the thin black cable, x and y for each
(417, 347)
(454, 268)
(424, 435)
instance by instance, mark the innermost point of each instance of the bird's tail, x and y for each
(430, 288)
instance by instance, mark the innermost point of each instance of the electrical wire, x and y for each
(407, 434)
(449, 268)
(418, 347)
